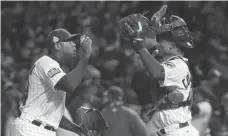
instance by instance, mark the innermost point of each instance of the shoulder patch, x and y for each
(169, 65)
(52, 72)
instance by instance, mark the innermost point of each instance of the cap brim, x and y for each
(72, 37)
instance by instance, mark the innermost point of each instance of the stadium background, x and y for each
(25, 25)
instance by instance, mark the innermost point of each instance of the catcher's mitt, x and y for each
(138, 26)
(133, 25)
(90, 120)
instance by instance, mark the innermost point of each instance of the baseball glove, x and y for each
(90, 120)
(138, 26)
(133, 25)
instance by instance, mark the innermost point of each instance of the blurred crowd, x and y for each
(25, 25)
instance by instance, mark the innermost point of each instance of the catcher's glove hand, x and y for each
(141, 30)
(137, 25)
(90, 120)
(133, 25)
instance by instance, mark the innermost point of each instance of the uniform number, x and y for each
(186, 81)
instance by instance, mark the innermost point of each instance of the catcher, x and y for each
(160, 44)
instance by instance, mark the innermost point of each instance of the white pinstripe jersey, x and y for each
(176, 74)
(44, 103)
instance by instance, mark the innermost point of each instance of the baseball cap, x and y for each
(62, 35)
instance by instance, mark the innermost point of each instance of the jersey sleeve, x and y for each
(50, 71)
(176, 74)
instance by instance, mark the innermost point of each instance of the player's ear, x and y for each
(57, 46)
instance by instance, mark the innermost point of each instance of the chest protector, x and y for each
(161, 101)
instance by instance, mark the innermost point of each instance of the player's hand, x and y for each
(86, 47)
(155, 22)
(138, 44)
(150, 40)
(159, 14)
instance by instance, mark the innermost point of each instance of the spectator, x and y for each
(219, 125)
(121, 120)
(203, 97)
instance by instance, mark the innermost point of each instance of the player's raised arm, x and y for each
(71, 80)
(63, 48)
(150, 42)
(142, 31)
(155, 69)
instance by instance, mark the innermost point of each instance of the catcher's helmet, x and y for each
(177, 30)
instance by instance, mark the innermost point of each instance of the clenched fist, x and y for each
(86, 48)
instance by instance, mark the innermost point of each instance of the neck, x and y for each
(167, 56)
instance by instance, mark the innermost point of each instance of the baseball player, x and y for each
(159, 43)
(43, 105)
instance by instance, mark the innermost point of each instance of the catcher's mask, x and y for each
(176, 30)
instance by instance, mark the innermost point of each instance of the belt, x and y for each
(181, 125)
(38, 123)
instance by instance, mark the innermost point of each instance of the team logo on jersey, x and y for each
(55, 39)
(52, 72)
(169, 65)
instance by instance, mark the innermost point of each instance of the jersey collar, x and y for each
(175, 57)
